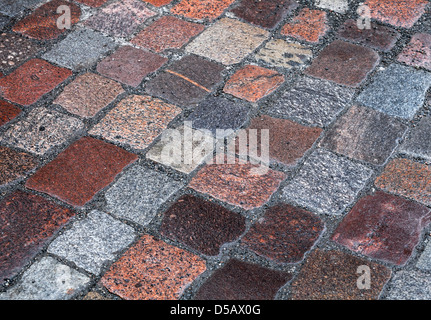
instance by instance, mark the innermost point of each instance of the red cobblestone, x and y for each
(31, 81)
(201, 9)
(27, 223)
(7, 112)
(158, 3)
(14, 164)
(308, 25)
(152, 270)
(418, 51)
(82, 170)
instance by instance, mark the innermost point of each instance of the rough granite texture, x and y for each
(283, 54)
(417, 143)
(14, 165)
(410, 285)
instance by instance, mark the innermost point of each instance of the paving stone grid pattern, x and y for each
(89, 209)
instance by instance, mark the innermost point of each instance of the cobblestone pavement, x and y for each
(338, 93)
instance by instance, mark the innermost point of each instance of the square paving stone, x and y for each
(333, 275)
(187, 81)
(14, 164)
(228, 41)
(241, 184)
(28, 223)
(153, 270)
(417, 144)
(418, 51)
(238, 280)
(398, 91)
(326, 183)
(14, 7)
(283, 54)
(88, 94)
(216, 114)
(136, 121)
(79, 172)
(31, 81)
(339, 6)
(130, 65)
(15, 49)
(410, 285)
(314, 101)
(168, 32)
(92, 242)
(120, 19)
(201, 9)
(42, 23)
(407, 178)
(379, 37)
(47, 279)
(264, 13)
(8, 112)
(139, 193)
(288, 140)
(364, 134)
(284, 234)
(400, 13)
(81, 49)
(252, 83)
(183, 148)
(383, 226)
(92, 3)
(201, 225)
(41, 130)
(308, 25)
(344, 63)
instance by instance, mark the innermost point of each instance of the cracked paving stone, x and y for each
(120, 19)
(409, 285)
(241, 184)
(253, 83)
(31, 81)
(14, 165)
(400, 13)
(15, 49)
(219, 116)
(129, 65)
(184, 155)
(47, 279)
(136, 121)
(167, 33)
(288, 140)
(14, 7)
(384, 227)
(81, 49)
(364, 134)
(326, 183)
(280, 53)
(308, 25)
(153, 270)
(92, 242)
(88, 94)
(378, 37)
(187, 81)
(42, 130)
(227, 41)
(417, 143)
(139, 193)
(42, 23)
(201, 9)
(92, 3)
(398, 91)
(8, 112)
(344, 63)
(238, 280)
(264, 13)
(201, 225)
(28, 223)
(418, 52)
(407, 178)
(314, 101)
(284, 234)
(333, 275)
(339, 6)
(82, 170)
